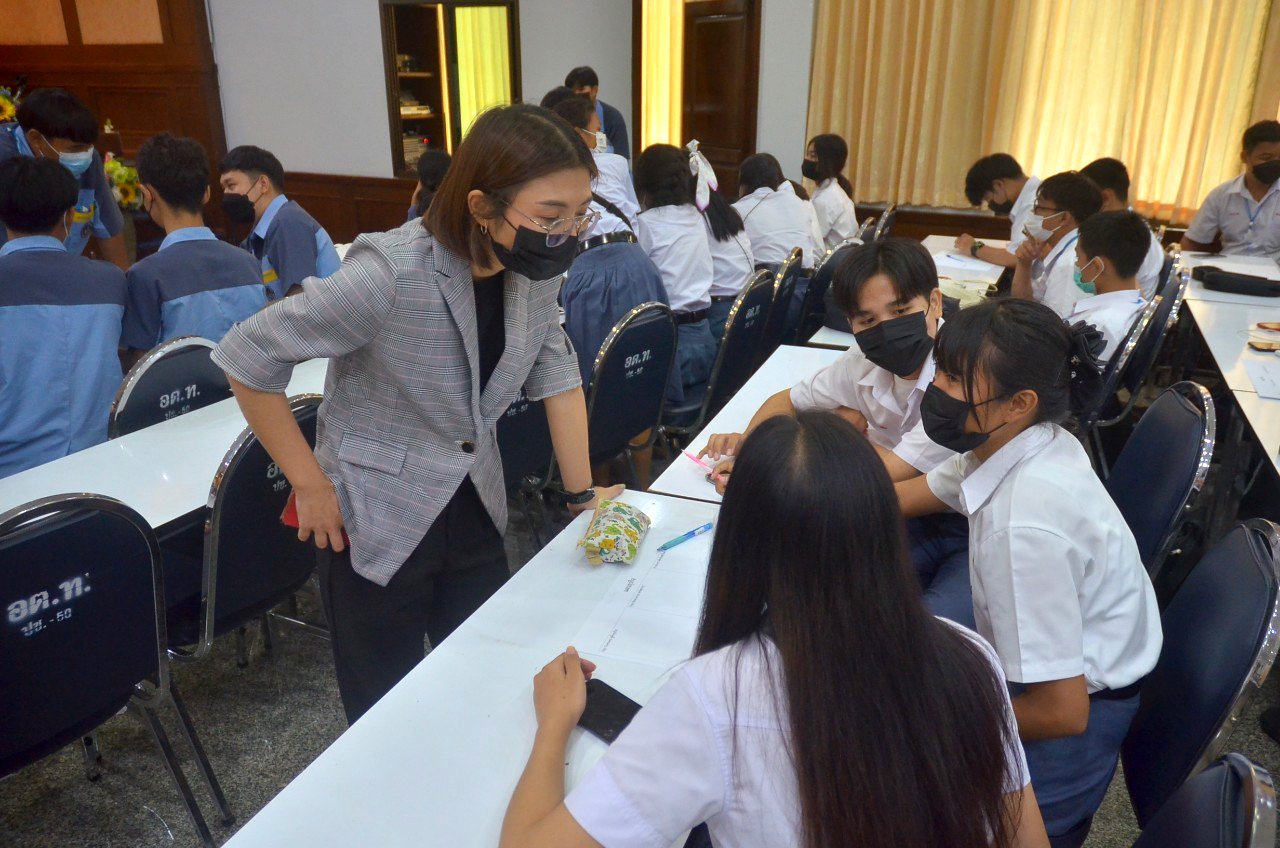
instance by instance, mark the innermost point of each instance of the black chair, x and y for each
(863, 233)
(813, 308)
(1220, 640)
(251, 561)
(1231, 804)
(85, 636)
(1115, 372)
(735, 360)
(175, 378)
(784, 285)
(629, 382)
(1163, 467)
(524, 441)
(884, 229)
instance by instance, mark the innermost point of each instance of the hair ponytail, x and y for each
(844, 183)
(833, 154)
(1084, 370)
(724, 220)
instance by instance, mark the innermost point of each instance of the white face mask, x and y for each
(1037, 230)
(602, 142)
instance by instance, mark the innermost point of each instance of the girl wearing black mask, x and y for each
(432, 331)
(889, 291)
(1058, 587)
(824, 160)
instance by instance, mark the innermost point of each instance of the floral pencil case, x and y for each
(615, 533)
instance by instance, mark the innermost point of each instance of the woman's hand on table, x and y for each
(560, 691)
(319, 515)
(603, 493)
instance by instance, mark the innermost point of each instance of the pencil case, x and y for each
(615, 533)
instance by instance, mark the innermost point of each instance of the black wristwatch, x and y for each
(579, 498)
(975, 247)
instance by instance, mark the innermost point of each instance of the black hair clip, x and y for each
(1084, 366)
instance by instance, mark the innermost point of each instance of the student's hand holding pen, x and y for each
(722, 445)
(719, 476)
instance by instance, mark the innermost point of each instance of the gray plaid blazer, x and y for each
(403, 420)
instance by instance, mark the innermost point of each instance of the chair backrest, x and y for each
(84, 627)
(1116, 368)
(1166, 269)
(1162, 467)
(252, 561)
(173, 379)
(1220, 640)
(884, 229)
(784, 285)
(524, 441)
(813, 307)
(1148, 346)
(863, 233)
(744, 332)
(1231, 804)
(1175, 288)
(629, 378)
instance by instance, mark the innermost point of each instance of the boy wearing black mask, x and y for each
(288, 242)
(889, 291)
(998, 181)
(1244, 213)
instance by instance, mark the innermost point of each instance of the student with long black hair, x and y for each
(824, 706)
(777, 220)
(670, 230)
(824, 162)
(1058, 587)
(731, 258)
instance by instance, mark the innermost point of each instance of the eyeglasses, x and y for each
(562, 229)
(1045, 211)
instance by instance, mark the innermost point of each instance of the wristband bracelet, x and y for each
(578, 498)
(975, 247)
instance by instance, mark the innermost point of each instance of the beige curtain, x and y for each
(484, 63)
(661, 71)
(921, 88)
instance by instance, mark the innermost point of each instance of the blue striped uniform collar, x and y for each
(269, 215)
(188, 234)
(31, 243)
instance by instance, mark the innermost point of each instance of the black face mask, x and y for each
(900, 345)
(1267, 172)
(529, 255)
(1000, 208)
(238, 208)
(809, 170)
(944, 418)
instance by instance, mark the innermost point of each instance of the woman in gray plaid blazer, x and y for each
(432, 330)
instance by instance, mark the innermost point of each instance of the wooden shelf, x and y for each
(416, 114)
(415, 74)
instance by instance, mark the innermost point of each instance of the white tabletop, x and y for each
(788, 365)
(1259, 266)
(1263, 415)
(434, 762)
(957, 266)
(163, 471)
(1227, 329)
(827, 337)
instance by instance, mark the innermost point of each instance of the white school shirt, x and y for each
(613, 183)
(1059, 589)
(674, 237)
(1152, 265)
(1018, 215)
(778, 221)
(1248, 227)
(890, 403)
(836, 218)
(689, 756)
(1053, 279)
(732, 262)
(1112, 314)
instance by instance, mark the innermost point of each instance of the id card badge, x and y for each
(82, 215)
(269, 276)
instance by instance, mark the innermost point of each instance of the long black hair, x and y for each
(724, 220)
(1018, 345)
(900, 724)
(833, 154)
(662, 177)
(760, 170)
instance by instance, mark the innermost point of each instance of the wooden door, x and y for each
(721, 70)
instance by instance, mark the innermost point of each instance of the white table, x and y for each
(434, 762)
(1225, 329)
(163, 471)
(1256, 265)
(827, 337)
(1263, 415)
(788, 365)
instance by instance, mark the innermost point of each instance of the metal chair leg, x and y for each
(202, 759)
(242, 647)
(528, 517)
(148, 717)
(267, 644)
(92, 757)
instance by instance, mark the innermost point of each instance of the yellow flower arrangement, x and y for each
(124, 183)
(8, 105)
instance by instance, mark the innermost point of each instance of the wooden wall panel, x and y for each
(31, 22)
(918, 222)
(348, 206)
(119, 21)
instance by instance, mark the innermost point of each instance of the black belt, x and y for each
(691, 317)
(608, 238)
(723, 298)
(1118, 694)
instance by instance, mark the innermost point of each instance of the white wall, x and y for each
(305, 79)
(556, 36)
(786, 48)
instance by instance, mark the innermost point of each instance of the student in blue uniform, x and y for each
(1058, 587)
(52, 124)
(195, 285)
(288, 242)
(584, 81)
(432, 166)
(60, 319)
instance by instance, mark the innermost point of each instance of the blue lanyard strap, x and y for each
(1065, 246)
(1253, 216)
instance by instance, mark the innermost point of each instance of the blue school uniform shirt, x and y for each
(291, 246)
(194, 285)
(60, 317)
(95, 213)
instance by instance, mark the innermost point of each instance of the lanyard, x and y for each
(1063, 247)
(1254, 215)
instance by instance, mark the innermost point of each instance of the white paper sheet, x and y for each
(1265, 376)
